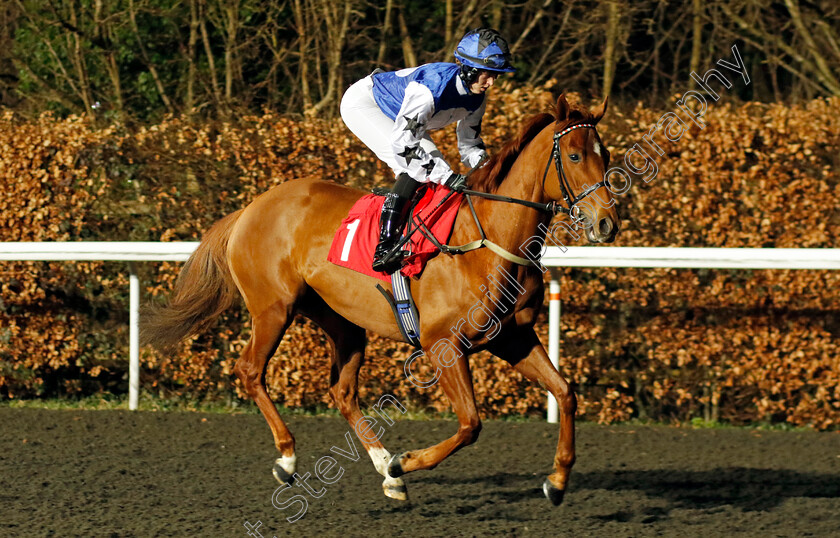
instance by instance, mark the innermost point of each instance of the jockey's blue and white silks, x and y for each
(438, 82)
(393, 112)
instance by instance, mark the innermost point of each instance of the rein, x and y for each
(565, 187)
(550, 207)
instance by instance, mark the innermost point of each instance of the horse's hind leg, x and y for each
(348, 349)
(267, 331)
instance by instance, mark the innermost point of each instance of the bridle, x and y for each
(565, 187)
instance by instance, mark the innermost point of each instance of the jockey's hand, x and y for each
(457, 182)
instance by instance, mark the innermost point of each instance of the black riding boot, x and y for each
(391, 223)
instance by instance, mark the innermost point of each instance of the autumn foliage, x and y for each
(735, 346)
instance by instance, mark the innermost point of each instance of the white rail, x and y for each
(127, 251)
(693, 258)
(649, 257)
(673, 258)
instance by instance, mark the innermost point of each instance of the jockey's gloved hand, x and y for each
(457, 182)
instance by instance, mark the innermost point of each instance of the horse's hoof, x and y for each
(395, 489)
(552, 493)
(395, 467)
(284, 469)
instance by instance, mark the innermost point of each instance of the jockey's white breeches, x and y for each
(363, 116)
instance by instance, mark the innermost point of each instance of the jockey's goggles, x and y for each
(494, 62)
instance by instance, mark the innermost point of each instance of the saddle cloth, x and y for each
(356, 238)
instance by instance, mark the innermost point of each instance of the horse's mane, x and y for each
(490, 176)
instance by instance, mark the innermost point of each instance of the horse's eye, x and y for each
(574, 157)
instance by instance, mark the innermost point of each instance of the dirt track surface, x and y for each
(113, 473)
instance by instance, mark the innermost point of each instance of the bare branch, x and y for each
(805, 34)
(132, 14)
(536, 18)
(827, 83)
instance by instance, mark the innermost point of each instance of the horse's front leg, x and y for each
(453, 374)
(523, 350)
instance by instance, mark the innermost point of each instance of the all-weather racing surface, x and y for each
(120, 473)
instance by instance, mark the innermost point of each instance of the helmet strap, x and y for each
(468, 75)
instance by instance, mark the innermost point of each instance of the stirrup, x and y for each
(390, 261)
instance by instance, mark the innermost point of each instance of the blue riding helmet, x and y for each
(484, 48)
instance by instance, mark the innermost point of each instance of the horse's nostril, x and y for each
(605, 226)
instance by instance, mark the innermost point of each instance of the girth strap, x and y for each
(405, 311)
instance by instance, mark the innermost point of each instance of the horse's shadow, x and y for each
(744, 488)
(739, 487)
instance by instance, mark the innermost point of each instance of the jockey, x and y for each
(393, 112)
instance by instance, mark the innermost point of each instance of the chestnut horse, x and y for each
(274, 253)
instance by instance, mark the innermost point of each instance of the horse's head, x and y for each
(577, 181)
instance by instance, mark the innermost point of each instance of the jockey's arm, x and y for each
(470, 143)
(417, 108)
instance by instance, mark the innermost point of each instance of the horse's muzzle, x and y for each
(603, 232)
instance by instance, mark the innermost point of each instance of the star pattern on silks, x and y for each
(408, 154)
(428, 167)
(413, 125)
(476, 129)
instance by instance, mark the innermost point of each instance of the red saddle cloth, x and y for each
(356, 238)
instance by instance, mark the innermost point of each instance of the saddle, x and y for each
(429, 225)
(432, 217)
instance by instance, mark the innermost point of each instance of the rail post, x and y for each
(553, 334)
(133, 338)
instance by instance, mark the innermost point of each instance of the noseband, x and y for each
(565, 186)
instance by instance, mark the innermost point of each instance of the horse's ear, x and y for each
(562, 108)
(599, 111)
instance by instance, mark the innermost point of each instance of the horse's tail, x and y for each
(203, 290)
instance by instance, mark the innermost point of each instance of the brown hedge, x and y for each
(734, 346)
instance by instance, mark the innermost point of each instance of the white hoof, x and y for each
(284, 469)
(395, 489)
